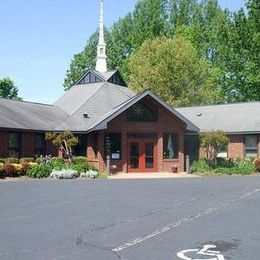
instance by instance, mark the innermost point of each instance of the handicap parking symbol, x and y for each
(205, 251)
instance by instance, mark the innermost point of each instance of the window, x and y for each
(14, 145)
(170, 146)
(224, 152)
(117, 79)
(89, 78)
(113, 145)
(251, 145)
(81, 148)
(39, 145)
(141, 112)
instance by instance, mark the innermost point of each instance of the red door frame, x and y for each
(142, 157)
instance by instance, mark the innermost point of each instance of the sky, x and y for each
(38, 39)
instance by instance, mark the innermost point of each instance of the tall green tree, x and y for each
(8, 89)
(173, 70)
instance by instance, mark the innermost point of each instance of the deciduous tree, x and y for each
(8, 89)
(172, 69)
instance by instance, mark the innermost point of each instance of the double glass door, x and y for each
(142, 156)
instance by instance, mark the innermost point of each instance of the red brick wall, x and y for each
(167, 123)
(27, 145)
(236, 146)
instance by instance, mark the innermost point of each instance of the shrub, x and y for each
(240, 166)
(58, 166)
(79, 168)
(200, 166)
(40, 171)
(57, 159)
(245, 166)
(11, 160)
(89, 174)
(2, 160)
(10, 170)
(26, 166)
(224, 163)
(26, 159)
(1, 169)
(80, 160)
(257, 164)
(63, 174)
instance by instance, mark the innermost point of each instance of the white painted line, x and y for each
(182, 221)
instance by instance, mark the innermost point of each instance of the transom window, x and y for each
(170, 146)
(14, 145)
(141, 112)
(251, 145)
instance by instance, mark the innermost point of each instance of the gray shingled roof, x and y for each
(102, 98)
(102, 122)
(231, 118)
(30, 116)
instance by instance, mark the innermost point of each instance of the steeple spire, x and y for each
(101, 64)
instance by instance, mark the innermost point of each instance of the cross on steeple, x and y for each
(101, 64)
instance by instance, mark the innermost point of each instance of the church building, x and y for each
(140, 132)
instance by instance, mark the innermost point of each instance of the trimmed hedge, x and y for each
(11, 160)
(27, 159)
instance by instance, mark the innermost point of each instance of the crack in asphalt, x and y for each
(182, 221)
(116, 250)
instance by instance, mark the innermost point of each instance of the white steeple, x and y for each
(101, 65)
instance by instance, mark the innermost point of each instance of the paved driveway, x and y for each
(131, 219)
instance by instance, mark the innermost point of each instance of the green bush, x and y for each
(57, 159)
(239, 166)
(79, 168)
(11, 160)
(58, 165)
(2, 160)
(245, 166)
(80, 160)
(40, 171)
(26, 159)
(224, 163)
(200, 166)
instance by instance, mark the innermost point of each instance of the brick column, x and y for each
(160, 152)
(181, 152)
(101, 152)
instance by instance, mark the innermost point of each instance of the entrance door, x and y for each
(142, 156)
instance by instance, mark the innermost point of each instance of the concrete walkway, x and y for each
(154, 175)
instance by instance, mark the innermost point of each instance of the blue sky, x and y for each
(40, 37)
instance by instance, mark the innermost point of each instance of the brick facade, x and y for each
(167, 123)
(236, 146)
(27, 145)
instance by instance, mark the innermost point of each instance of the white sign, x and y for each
(205, 251)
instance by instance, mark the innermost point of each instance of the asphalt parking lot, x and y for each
(196, 218)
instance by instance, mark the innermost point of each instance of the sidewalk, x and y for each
(154, 175)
